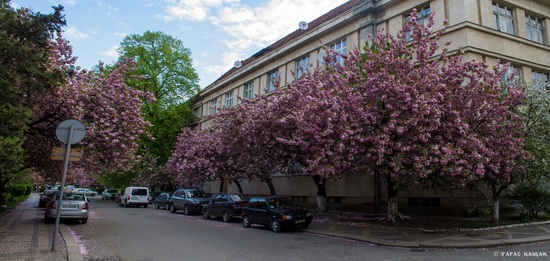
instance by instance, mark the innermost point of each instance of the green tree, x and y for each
(24, 70)
(532, 188)
(163, 68)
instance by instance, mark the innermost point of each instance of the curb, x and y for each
(73, 249)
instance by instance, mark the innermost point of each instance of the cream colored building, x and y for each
(515, 31)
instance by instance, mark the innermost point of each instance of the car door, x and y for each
(262, 213)
(215, 207)
(176, 199)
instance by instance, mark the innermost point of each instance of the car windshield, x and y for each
(238, 197)
(139, 192)
(196, 194)
(280, 203)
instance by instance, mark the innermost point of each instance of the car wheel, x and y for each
(125, 203)
(84, 221)
(275, 226)
(93, 194)
(186, 210)
(48, 220)
(226, 217)
(146, 205)
(205, 214)
(246, 221)
(157, 205)
(172, 209)
(306, 225)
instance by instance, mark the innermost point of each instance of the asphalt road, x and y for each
(118, 233)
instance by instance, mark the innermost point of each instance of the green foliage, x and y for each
(24, 70)
(117, 180)
(535, 198)
(17, 190)
(164, 69)
(532, 187)
(168, 124)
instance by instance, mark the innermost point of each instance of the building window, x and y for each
(249, 90)
(340, 47)
(513, 74)
(302, 66)
(535, 28)
(272, 81)
(422, 19)
(214, 107)
(540, 80)
(229, 99)
(504, 19)
(197, 112)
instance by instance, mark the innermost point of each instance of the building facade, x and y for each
(515, 31)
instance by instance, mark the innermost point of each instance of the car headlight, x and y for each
(309, 214)
(287, 217)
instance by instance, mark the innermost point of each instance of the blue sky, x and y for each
(218, 32)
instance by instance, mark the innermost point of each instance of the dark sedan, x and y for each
(162, 199)
(276, 212)
(45, 197)
(225, 206)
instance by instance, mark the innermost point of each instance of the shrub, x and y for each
(29, 189)
(533, 201)
(17, 190)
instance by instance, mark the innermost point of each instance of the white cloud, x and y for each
(122, 35)
(112, 53)
(263, 25)
(73, 33)
(69, 2)
(250, 28)
(194, 10)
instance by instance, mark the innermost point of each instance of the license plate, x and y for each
(69, 206)
(300, 221)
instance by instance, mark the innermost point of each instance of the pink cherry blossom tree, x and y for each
(405, 110)
(110, 110)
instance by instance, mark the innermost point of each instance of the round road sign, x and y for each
(62, 131)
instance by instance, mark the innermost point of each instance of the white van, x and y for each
(135, 196)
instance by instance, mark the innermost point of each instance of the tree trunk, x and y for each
(393, 206)
(320, 182)
(496, 207)
(238, 185)
(221, 186)
(272, 191)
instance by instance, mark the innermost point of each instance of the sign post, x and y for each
(68, 132)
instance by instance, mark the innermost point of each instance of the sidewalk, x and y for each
(24, 236)
(331, 225)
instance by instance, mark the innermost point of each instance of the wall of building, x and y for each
(470, 28)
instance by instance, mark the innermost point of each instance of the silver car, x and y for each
(74, 205)
(86, 191)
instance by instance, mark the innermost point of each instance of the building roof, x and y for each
(352, 4)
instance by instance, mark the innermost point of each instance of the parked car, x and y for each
(276, 212)
(162, 199)
(135, 196)
(108, 194)
(225, 206)
(45, 197)
(86, 191)
(190, 200)
(74, 205)
(118, 195)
